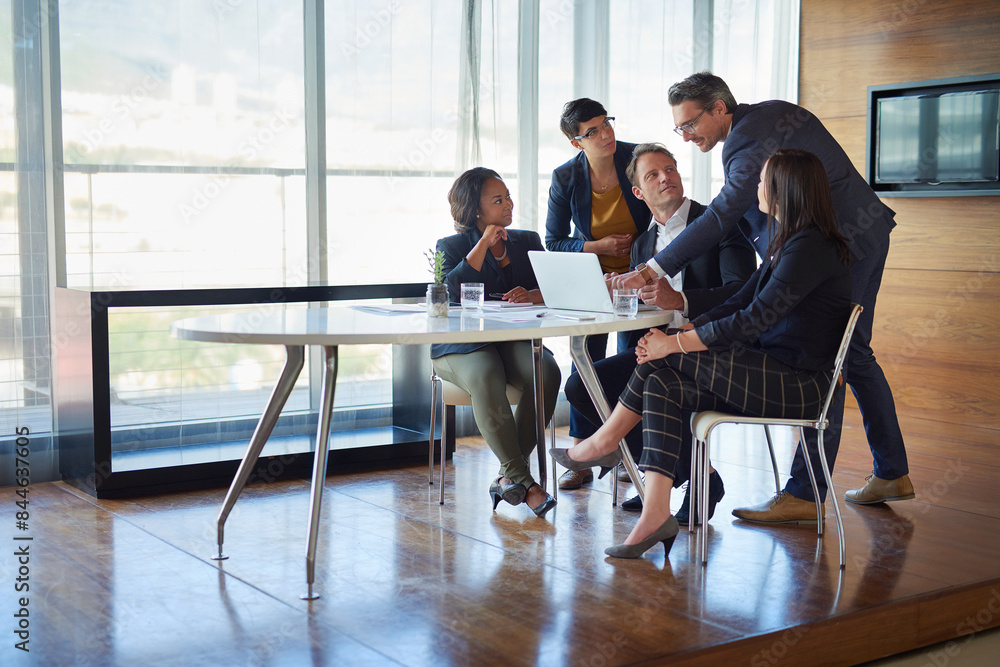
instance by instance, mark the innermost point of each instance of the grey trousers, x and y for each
(484, 375)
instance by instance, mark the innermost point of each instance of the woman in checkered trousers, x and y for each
(767, 352)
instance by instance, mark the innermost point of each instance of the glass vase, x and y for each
(437, 300)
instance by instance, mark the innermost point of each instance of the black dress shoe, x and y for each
(716, 491)
(633, 504)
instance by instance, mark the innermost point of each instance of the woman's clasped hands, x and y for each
(654, 345)
(657, 344)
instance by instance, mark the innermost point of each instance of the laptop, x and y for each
(571, 281)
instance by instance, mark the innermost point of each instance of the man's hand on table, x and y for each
(660, 294)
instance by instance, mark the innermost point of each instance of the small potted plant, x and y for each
(437, 291)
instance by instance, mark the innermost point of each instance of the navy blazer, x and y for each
(570, 198)
(794, 308)
(757, 131)
(715, 276)
(458, 271)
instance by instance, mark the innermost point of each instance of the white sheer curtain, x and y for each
(756, 48)
(424, 91)
(752, 45)
(757, 53)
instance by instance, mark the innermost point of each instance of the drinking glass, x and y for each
(472, 296)
(626, 302)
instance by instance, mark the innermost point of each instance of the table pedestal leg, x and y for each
(578, 349)
(536, 357)
(319, 466)
(294, 357)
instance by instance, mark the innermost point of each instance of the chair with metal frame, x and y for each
(452, 395)
(702, 424)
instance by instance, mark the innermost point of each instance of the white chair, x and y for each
(702, 424)
(452, 395)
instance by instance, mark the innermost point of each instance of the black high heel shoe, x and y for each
(543, 506)
(512, 493)
(666, 533)
(606, 462)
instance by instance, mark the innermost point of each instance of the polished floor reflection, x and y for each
(406, 581)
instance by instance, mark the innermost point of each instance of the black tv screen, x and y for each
(935, 137)
(945, 138)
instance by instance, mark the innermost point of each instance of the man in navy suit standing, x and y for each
(706, 114)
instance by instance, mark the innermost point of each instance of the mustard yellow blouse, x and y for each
(609, 214)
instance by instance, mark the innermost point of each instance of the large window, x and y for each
(183, 143)
(392, 115)
(182, 128)
(24, 346)
(184, 153)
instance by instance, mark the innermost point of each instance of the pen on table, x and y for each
(496, 295)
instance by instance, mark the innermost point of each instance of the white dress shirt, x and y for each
(665, 233)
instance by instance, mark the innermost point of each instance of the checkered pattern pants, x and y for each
(740, 380)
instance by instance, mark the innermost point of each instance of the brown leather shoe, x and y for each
(878, 490)
(783, 508)
(574, 479)
(623, 475)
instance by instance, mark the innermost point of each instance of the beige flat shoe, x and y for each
(878, 490)
(782, 508)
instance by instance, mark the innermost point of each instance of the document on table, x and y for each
(576, 316)
(526, 313)
(393, 309)
(504, 305)
(537, 313)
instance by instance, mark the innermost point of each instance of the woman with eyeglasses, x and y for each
(766, 352)
(486, 251)
(591, 208)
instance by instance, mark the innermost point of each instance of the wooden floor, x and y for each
(405, 581)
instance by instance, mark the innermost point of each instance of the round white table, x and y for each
(295, 327)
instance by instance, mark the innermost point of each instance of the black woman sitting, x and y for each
(485, 251)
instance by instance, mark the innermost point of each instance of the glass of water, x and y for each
(472, 296)
(626, 302)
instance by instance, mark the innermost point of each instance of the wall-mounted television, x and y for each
(935, 138)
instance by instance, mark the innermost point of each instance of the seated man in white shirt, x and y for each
(703, 284)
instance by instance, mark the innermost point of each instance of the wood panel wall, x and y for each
(937, 322)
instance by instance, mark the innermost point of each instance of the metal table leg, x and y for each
(578, 349)
(294, 358)
(536, 357)
(319, 465)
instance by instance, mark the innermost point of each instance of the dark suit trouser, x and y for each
(580, 425)
(613, 374)
(870, 388)
(739, 380)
